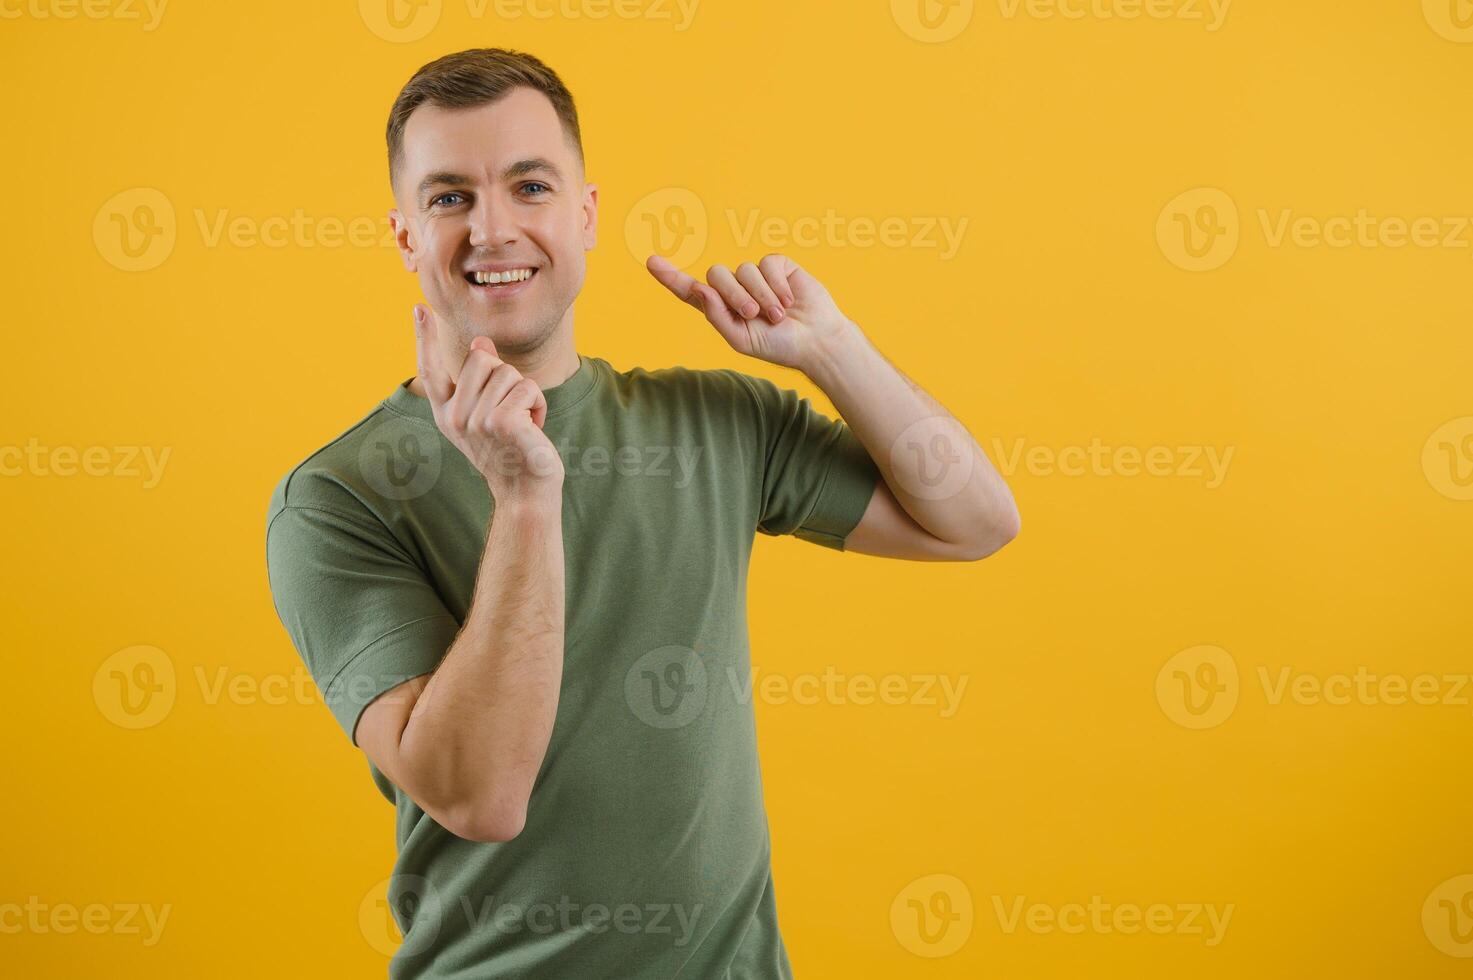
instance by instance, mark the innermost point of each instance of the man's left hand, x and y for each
(772, 310)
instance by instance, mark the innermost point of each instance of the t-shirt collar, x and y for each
(559, 396)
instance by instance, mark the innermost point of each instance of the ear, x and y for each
(402, 239)
(590, 216)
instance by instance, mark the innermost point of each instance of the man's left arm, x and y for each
(941, 498)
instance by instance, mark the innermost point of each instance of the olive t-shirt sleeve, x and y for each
(360, 612)
(817, 477)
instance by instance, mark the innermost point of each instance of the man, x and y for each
(520, 580)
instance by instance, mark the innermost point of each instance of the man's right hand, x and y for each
(492, 414)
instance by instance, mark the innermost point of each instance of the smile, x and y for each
(488, 278)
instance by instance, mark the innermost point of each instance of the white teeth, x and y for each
(492, 278)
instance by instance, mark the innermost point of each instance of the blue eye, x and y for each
(442, 197)
(536, 183)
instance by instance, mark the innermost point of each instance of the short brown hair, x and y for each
(476, 77)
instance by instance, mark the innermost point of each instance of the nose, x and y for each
(491, 222)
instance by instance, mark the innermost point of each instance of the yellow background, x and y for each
(1333, 543)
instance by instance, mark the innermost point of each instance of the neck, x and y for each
(548, 365)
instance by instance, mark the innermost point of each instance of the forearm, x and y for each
(929, 460)
(479, 730)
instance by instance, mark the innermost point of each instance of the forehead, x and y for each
(478, 140)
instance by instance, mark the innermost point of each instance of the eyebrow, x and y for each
(520, 168)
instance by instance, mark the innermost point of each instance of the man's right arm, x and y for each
(466, 742)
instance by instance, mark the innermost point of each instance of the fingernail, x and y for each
(419, 315)
(750, 310)
(776, 313)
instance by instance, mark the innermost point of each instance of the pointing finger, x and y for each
(679, 283)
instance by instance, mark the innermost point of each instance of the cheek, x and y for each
(438, 241)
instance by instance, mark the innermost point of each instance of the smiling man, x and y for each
(520, 579)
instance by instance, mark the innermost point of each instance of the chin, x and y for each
(511, 336)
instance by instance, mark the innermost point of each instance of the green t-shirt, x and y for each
(645, 851)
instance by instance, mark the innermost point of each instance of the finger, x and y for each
(732, 329)
(777, 268)
(502, 380)
(756, 286)
(721, 279)
(436, 381)
(473, 377)
(526, 396)
(679, 283)
(539, 409)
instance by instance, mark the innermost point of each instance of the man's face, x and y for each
(496, 187)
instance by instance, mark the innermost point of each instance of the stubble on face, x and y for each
(492, 214)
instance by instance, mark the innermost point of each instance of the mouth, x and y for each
(500, 284)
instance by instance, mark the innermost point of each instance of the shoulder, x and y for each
(377, 457)
(721, 388)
